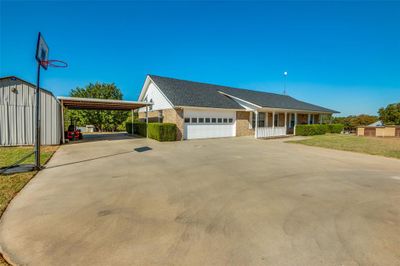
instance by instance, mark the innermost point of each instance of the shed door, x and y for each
(370, 131)
(397, 132)
(200, 124)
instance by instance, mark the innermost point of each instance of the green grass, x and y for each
(10, 185)
(388, 147)
(9, 155)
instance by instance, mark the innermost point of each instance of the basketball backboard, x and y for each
(42, 51)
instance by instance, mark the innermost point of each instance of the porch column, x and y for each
(295, 123)
(147, 121)
(273, 119)
(256, 125)
(308, 119)
(320, 118)
(266, 119)
(286, 120)
(132, 121)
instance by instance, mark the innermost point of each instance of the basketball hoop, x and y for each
(53, 63)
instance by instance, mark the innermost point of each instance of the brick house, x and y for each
(203, 110)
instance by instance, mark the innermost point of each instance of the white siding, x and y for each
(17, 115)
(154, 95)
(209, 130)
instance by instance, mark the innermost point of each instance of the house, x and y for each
(202, 110)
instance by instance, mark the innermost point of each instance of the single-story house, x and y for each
(202, 110)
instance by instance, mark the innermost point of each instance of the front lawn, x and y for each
(10, 185)
(389, 147)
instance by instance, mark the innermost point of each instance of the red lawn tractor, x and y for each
(73, 133)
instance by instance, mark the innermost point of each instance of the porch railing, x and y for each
(265, 132)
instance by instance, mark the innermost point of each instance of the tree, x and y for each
(391, 114)
(351, 122)
(103, 120)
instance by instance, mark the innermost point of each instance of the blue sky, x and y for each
(341, 55)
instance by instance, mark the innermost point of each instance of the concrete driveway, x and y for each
(235, 201)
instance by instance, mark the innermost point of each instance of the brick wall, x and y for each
(153, 116)
(302, 119)
(174, 116)
(242, 124)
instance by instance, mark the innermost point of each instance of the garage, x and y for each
(200, 124)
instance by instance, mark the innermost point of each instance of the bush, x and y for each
(138, 128)
(162, 131)
(317, 129)
(309, 130)
(335, 128)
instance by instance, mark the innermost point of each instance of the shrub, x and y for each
(309, 130)
(317, 129)
(335, 128)
(138, 128)
(162, 131)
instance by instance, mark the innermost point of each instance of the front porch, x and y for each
(275, 124)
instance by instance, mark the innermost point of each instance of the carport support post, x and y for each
(147, 121)
(62, 122)
(295, 124)
(132, 121)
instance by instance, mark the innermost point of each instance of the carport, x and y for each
(99, 104)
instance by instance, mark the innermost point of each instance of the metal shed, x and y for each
(17, 114)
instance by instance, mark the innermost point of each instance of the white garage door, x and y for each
(200, 124)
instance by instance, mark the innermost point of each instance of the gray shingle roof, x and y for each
(196, 94)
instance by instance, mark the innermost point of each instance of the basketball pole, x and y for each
(37, 135)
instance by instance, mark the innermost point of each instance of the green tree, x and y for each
(391, 114)
(351, 122)
(103, 120)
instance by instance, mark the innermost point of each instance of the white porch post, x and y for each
(147, 121)
(285, 123)
(308, 119)
(256, 125)
(266, 119)
(273, 119)
(295, 123)
(320, 118)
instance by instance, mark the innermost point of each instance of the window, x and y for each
(207, 120)
(194, 120)
(230, 120)
(311, 119)
(187, 120)
(261, 120)
(151, 106)
(219, 120)
(201, 120)
(225, 120)
(276, 122)
(213, 120)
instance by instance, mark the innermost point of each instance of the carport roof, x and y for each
(100, 104)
